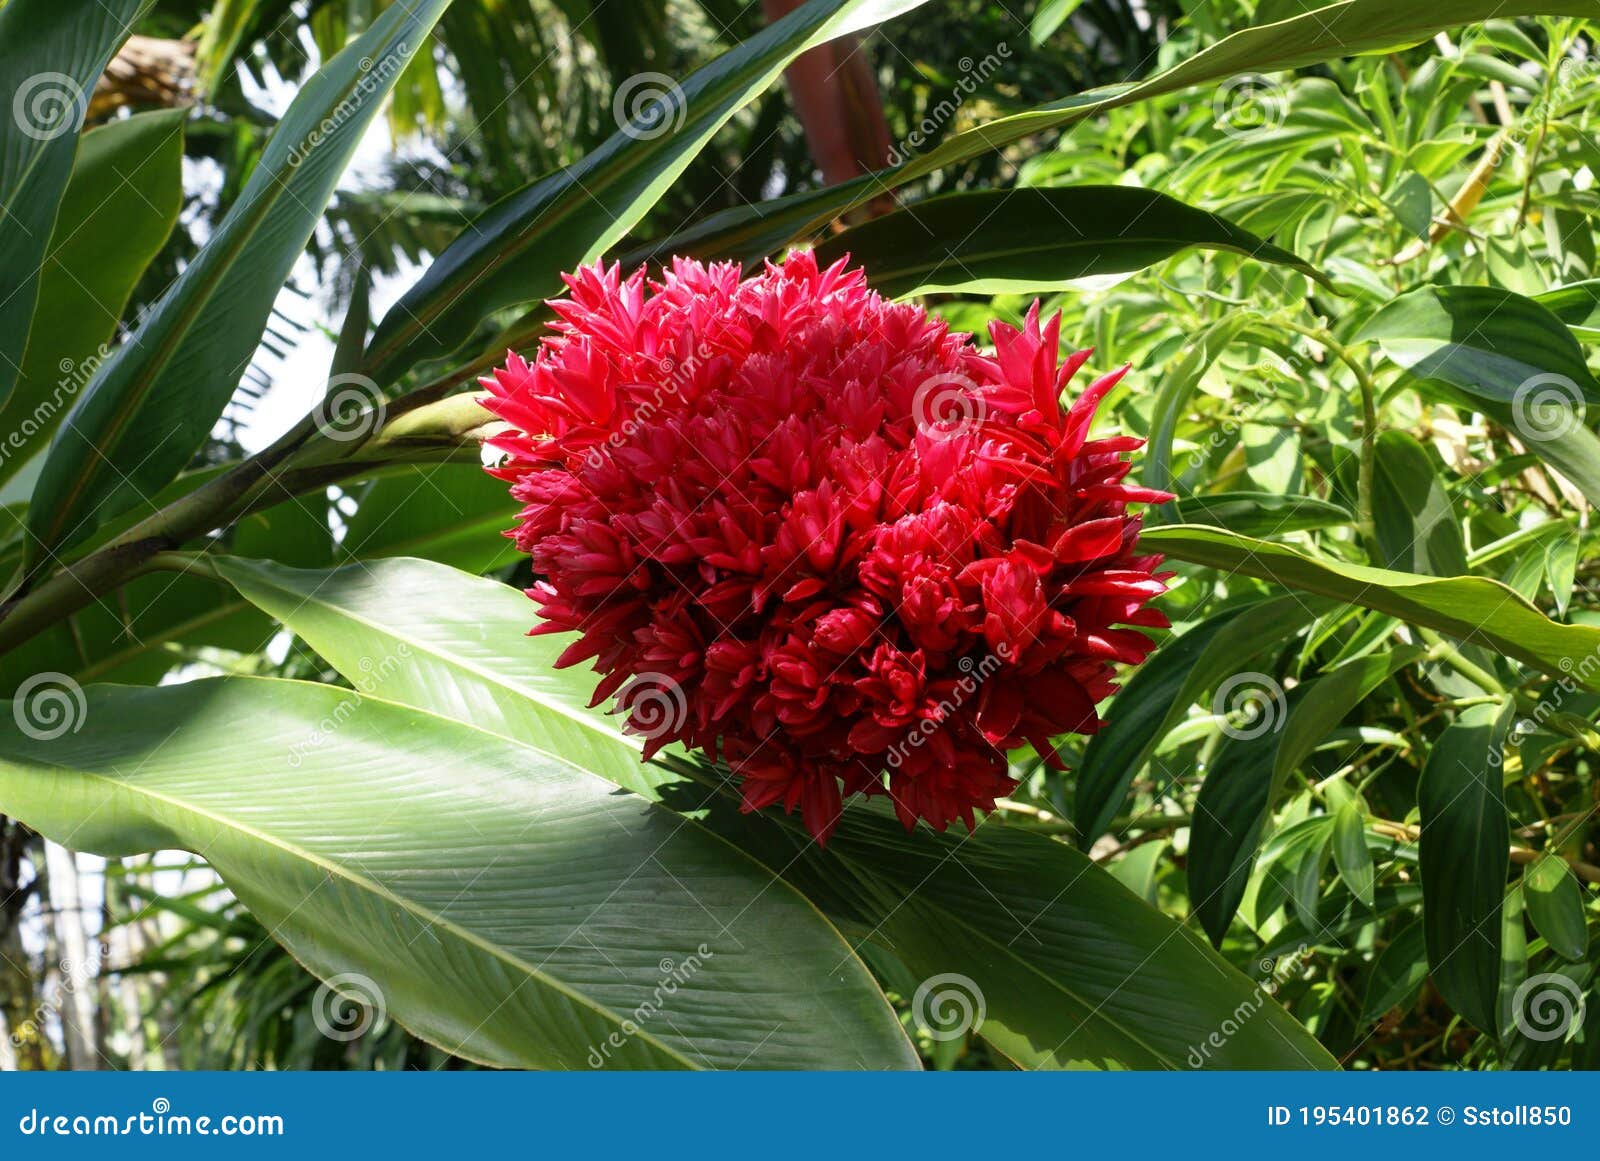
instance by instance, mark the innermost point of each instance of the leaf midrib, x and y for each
(426, 915)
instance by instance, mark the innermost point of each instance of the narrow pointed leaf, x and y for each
(1466, 839)
(1027, 241)
(116, 214)
(517, 251)
(51, 55)
(1473, 609)
(155, 401)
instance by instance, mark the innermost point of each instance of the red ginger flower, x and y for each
(819, 535)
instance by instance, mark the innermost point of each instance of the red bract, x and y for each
(820, 536)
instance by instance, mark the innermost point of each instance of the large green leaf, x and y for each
(51, 54)
(116, 213)
(1418, 530)
(507, 905)
(1025, 241)
(1075, 969)
(1505, 355)
(1161, 691)
(156, 400)
(1465, 845)
(1248, 774)
(1472, 609)
(516, 251)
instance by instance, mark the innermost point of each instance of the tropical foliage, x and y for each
(1344, 814)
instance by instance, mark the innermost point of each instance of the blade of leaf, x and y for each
(1161, 690)
(1466, 839)
(51, 55)
(154, 402)
(116, 213)
(1473, 609)
(1555, 904)
(1102, 978)
(517, 251)
(380, 840)
(1026, 240)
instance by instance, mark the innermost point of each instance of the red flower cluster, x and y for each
(819, 535)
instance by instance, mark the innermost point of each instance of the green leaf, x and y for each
(1074, 969)
(1178, 383)
(1161, 691)
(1049, 16)
(1577, 305)
(1229, 816)
(153, 403)
(1026, 241)
(1259, 513)
(1555, 904)
(1505, 355)
(1351, 28)
(1473, 609)
(1418, 530)
(1411, 199)
(1350, 853)
(517, 250)
(508, 906)
(51, 55)
(1465, 854)
(1397, 975)
(453, 513)
(115, 215)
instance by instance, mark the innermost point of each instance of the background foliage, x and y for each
(1351, 255)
